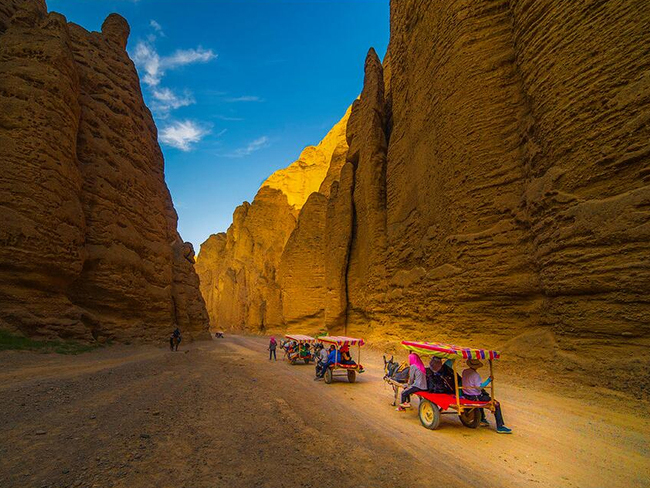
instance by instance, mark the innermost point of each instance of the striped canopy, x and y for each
(449, 351)
(299, 337)
(341, 340)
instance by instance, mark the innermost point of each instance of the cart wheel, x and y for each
(471, 418)
(306, 360)
(429, 414)
(328, 376)
(352, 376)
(293, 361)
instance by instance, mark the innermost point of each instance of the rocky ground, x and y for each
(218, 414)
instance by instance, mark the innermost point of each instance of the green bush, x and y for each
(15, 342)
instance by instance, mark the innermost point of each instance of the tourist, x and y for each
(442, 376)
(417, 380)
(333, 357)
(473, 390)
(345, 355)
(175, 339)
(321, 359)
(304, 350)
(272, 346)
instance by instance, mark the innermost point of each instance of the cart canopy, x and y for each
(341, 340)
(299, 337)
(449, 351)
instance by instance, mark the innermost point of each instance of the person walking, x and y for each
(272, 347)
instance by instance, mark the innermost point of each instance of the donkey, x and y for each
(396, 375)
(395, 371)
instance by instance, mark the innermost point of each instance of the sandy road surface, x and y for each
(221, 415)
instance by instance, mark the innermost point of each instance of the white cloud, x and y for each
(157, 27)
(182, 134)
(250, 148)
(181, 57)
(166, 100)
(154, 66)
(244, 98)
(227, 118)
(146, 58)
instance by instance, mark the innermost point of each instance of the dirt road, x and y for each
(218, 414)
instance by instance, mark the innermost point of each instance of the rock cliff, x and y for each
(241, 271)
(495, 190)
(88, 245)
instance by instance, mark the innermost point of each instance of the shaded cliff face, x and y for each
(89, 247)
(241, 271)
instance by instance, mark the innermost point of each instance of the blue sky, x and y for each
(239, 87)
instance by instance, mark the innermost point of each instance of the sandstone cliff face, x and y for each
(495, 189)
(517, 177)
(88, 246)
(241, 271)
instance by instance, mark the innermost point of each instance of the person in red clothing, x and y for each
(345, 356)
(273, 344)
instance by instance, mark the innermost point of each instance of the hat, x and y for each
(474, 363)
(435, 364)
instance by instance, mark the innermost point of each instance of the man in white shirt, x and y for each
(473, 390)
(321, 361)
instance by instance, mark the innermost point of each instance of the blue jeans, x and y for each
(484, 397)
(325, 366)
(406, 394)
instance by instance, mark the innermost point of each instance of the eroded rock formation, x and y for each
(88, 241)
(496, 187)
(241, 270)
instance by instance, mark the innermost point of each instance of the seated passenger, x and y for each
(473, 390)
(292, 350)
(304, 350)
(417, 381)
(321, 358)
(441, 379)
(345, 356)
(333, 356)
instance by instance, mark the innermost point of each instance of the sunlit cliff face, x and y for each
(240, 270)
(306, 175)
(487, 193)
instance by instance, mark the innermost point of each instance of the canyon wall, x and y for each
(517, 179)
(495, 189)
(88, 243)
(247, 281)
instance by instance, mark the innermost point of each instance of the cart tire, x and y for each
(471, 418)
(328, 376)
(306, 360)
(293, 361)
(352, 376)
(429, 414)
